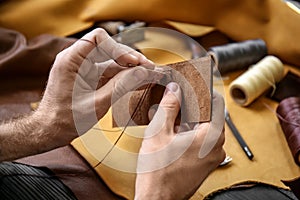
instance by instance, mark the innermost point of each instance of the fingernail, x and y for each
(144, 61)
(139, 75)
(171, 87)
(133, 57)
(133, 61)
(151, 62)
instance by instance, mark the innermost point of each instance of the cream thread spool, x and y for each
(256, 80)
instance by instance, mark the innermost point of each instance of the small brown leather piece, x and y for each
(194, 79)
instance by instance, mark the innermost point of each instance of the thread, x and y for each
(256, 80)
(238, 55)
(288, 113)
(141, 100)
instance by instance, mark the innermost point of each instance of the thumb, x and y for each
(168, 110)
(171, 102)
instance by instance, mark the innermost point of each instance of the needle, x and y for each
(227, 160)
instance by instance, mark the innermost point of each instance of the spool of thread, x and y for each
(256, 80)
(288, 112)
(238, 55)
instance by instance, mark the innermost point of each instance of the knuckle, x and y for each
(170, 101)
(58, 59)
(99, 31)
(170, 105)
(60, 56)
(100, 34)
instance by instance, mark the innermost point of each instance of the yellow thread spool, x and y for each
(256, 80)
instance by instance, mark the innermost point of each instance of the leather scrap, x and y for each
(194, 79)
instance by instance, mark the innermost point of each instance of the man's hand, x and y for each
(173, 164)
(79, 92)
(83, 79)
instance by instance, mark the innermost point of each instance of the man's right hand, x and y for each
(171, 164)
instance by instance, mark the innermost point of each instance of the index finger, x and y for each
(107, 48)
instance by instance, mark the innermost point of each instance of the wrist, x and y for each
(149, 188)
(54, 125)
(32, 134)
(153, 195)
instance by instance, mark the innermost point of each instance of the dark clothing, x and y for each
(20, 181)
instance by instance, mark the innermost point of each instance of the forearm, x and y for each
(29, 135)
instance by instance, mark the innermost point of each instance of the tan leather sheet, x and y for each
(258, 125)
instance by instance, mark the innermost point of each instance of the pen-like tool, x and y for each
(238, 136)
